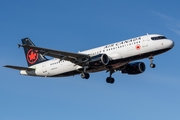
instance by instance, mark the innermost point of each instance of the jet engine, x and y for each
(98, 60)
(134, 68)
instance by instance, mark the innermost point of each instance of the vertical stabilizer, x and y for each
(32, 56)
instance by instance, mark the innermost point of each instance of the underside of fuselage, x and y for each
(113, 64)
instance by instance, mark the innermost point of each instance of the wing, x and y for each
(76, 58)
(18, 67)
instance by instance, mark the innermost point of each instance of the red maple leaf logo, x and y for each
(32, 56)
(138, 47)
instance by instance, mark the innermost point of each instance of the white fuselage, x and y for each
(141, 47)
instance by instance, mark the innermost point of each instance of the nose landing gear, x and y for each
(152, 65)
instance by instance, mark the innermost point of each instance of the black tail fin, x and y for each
(32, 56)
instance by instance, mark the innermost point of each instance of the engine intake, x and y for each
(98, 60)
(134, 68)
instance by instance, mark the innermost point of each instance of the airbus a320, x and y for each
(119, 56)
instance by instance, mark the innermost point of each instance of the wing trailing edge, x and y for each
(76, 58)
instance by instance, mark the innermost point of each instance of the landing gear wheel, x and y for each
(85, 75)
(152, 65)
(110, 80)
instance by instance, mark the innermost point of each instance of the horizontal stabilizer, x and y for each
(18, 67)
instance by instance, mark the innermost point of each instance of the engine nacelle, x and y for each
(134, 68)
(98, 60)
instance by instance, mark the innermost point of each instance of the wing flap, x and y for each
(18, 67)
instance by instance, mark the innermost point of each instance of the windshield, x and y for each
(158, 38)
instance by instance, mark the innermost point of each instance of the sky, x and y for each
(77, 25)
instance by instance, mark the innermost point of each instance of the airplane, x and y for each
(119, 56)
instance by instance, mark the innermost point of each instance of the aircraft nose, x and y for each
(170, 43)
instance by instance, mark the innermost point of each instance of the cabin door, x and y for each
(44, 68)
(145, 41)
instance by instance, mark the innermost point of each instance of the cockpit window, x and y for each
(158, 38)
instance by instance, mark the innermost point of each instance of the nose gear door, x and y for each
(145, 41)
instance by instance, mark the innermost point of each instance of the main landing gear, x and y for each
(110, 79)
(84, 74)
(152, 65)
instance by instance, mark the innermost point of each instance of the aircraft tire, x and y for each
(152, 65)
(85, 75)
(110, 80)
